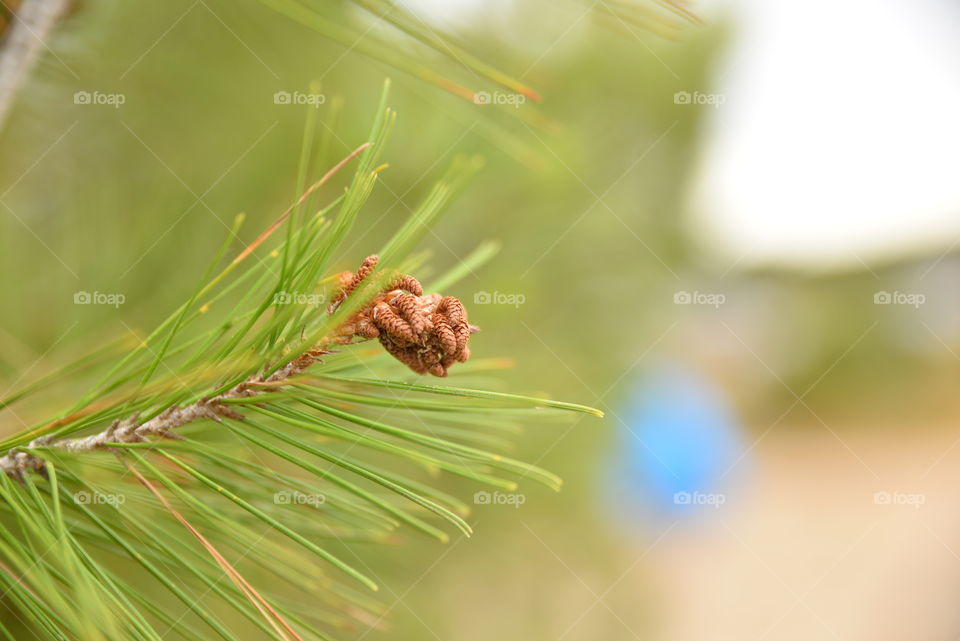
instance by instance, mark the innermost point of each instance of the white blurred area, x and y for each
(839, 140)
(838, 144)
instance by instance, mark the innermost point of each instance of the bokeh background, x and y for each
(737, 237)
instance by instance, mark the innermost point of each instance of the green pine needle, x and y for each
(295, 480)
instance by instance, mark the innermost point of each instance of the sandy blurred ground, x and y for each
(810, 550)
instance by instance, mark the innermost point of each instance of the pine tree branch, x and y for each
(426, 333)
(129, 430)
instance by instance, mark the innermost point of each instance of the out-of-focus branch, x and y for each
(31, 25)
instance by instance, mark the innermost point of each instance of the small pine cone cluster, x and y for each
(426, 333)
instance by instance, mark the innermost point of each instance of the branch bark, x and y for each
(32, 24)
(129, 430)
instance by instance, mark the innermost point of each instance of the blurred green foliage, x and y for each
(586, 193)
